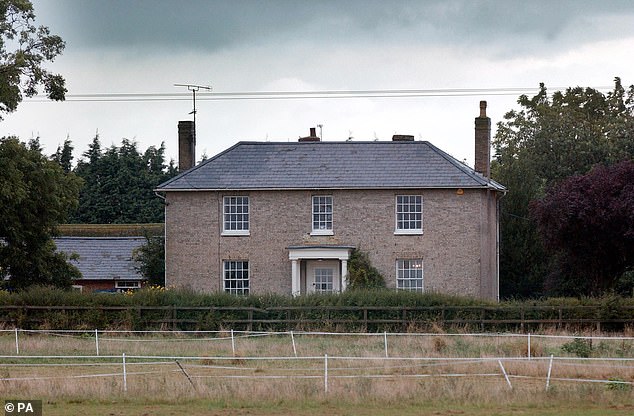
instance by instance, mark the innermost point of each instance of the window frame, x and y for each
(398, 223)
(239, 288)
(322, 231)
(411, 268)
(127, 284)
(324, 286)
(227, 204)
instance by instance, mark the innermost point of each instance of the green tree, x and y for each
(546, 141)
(361, 273)
(35, 196)
(119, 184)
(21, 69)
(151, 257)
(64, 155)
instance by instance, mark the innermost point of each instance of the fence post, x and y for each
(326, 373)
(125, 374)
(482, 318)
(233, 344)
(550, 368)
(293, 341)
(385, 342)
(17, 343)
(97, 341)
(529, 345)
(505, 375)
(365, 319)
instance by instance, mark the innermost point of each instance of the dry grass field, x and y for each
(310, 374)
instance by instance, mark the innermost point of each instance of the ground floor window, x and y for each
(409, 275)
(127, 284)
(324, 280)
(236, 277)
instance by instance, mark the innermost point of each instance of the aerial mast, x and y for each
(194, 88)
(187, 133)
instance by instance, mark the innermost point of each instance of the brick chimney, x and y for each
(402, 138)
(186, 145)
(483, 142)
(312, 138)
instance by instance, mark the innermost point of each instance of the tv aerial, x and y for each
(194, 89)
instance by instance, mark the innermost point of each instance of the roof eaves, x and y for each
(334, 188)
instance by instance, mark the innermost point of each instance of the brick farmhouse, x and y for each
(284, 217)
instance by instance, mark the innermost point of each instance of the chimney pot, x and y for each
(402, 138)
(312, 137)
(483, 109)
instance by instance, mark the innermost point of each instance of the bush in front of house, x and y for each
(354, 310)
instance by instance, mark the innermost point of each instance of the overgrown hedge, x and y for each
(379, 310)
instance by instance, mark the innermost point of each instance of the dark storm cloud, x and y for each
(213, 25)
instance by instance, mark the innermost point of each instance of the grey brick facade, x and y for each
(457, 246)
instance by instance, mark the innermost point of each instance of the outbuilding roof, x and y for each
(329, 165)
(103, 257)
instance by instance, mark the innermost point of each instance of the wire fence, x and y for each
(621, 346)
(195, 357)
(326, 369)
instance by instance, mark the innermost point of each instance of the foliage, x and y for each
(64, 156)
(21, 69)
(546, 141)
(588, 221)
(361, 273)
(35, 196)
(119, 184)
(151, 257)
(385, 309)
(579, 347)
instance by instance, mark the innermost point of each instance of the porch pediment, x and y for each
(310, 252)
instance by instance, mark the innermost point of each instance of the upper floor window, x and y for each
(236, 277)
(409, 275)
(236, 215)
(409, 214)
(322, 215)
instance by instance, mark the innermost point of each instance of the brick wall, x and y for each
(458, 243)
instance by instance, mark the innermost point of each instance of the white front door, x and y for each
(322, 276)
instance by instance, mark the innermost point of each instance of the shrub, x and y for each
(579, 347)
(361, 273)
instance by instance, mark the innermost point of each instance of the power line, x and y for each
(301, 95)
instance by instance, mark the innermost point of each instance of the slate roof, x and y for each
(103, 257)
(329, 165)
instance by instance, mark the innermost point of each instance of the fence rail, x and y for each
(358, 318)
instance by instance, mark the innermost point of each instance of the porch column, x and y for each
(295, 285)
(344, 274)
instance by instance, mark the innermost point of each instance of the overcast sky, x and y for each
(147, 46)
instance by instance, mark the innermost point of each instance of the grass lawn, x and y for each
(318, 408)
